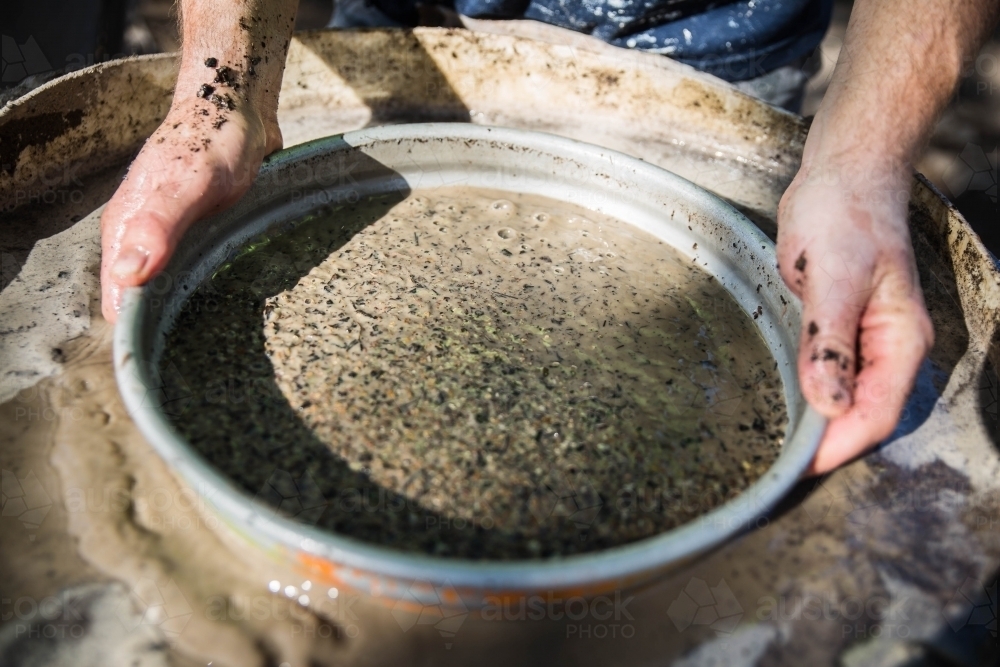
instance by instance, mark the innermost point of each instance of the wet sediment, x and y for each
(474, 374)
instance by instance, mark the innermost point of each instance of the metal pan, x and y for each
(415, 157)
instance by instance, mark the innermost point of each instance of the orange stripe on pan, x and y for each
(319, 566)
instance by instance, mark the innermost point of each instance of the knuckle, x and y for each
(792, 278)
(924, 327)
(928, 335)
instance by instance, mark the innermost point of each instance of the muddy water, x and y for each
(476, 374)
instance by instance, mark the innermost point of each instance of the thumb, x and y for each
(143, 223)
(833, 301)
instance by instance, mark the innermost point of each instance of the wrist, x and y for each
(208, 103)
(236, 49)
(835, 155)
(230, 83)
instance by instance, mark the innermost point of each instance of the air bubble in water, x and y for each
(506, 233)
(558, 270)
(503, 206)
(541, 217)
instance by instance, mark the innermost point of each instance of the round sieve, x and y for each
(403, 158)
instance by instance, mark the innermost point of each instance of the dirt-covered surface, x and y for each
(891, 560)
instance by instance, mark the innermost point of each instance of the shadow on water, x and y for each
(223, 397)
(233, 412)
(238, 418)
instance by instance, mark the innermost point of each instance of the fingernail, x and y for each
(129, 263)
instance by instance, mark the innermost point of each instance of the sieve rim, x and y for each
(396, 574)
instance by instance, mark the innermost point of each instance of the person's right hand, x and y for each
(844, 249)
(188, 169)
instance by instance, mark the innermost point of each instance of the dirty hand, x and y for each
(844, 249)
(222, 123)
(192, 166)
(843, 238)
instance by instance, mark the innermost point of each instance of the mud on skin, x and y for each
(226, 77)
(842, 370)
(800, 263)
(543, 379)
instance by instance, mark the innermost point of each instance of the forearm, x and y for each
(233, 55)
(898, 68)
(843, 235)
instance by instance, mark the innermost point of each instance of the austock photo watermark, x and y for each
(877, 615)
(604, 616)
(148, 604)
(859, 501)
(23, 498)
(699, 605)
(28, 58)
(858, 616)
(974, 170)
(598, 617)
(158, 607)
(439, 606)
(52, 618)
(984, 70)
(313, 611)
(163, 509)
(50, 185)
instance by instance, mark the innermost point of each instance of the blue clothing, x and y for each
(736, 41)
